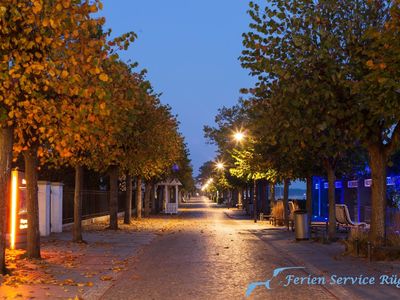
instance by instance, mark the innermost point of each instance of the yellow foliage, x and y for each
(103, 77)
(37, 6)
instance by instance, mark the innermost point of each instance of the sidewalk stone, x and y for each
(205, 252)
(69, 270)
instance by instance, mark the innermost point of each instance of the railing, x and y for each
(392, 217)
(94, 204)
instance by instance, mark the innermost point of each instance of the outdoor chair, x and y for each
(343, 217)
(292, 208)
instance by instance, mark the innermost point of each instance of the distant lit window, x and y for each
(352, 184)
(338, 184)
(367, 182)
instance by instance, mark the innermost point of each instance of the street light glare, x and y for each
(220, 166)
(238, 136)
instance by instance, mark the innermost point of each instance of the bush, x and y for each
(277, 212)
(395, 222)
(391, 251)
(358, 237)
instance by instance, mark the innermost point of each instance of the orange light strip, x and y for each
(14, 190)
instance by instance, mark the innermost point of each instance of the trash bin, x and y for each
(301, 226)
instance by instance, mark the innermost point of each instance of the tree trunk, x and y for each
(139, 198)
(77, 229)
(378, 195)
(309, 198)
(263, 199)
(153, 199)
(272, 195)
(250, 199)
(113, 203)
(332, 202)
(240, 198)
(286, 184)
(255, 208)
(147, 197)
(33, 234)
(128, 200)
(6, 144)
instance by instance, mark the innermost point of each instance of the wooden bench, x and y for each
(264, 217)
(343, 218)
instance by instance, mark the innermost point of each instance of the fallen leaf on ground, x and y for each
(106, 278)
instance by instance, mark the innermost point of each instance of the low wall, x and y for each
(92, 221)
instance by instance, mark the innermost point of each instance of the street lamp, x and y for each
(238, 136)
(207, 184)
(220, 166)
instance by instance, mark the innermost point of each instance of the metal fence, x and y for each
(392, 217)
(94, 204)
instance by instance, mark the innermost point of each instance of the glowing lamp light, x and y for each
(220, 166)
(13, 215)
(238, 136)
(23, 224)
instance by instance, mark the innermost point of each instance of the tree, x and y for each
(6, 138)
(128, 200)
(41, 39)
(373, 44)
(184, 170)
(337, 62)
(246, 164)
(149, 143)
(229, 121)
(297, 59)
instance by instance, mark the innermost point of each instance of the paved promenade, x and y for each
(206, 252)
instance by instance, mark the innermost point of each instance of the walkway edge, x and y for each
(336, 291)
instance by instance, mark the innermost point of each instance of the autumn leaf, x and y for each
(37, 6)
(370, 64)
(103, 77)
(106, 278)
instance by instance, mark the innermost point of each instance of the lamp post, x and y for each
(220, 167)
(239, 137)
(255, 199)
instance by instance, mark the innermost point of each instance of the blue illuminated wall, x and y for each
(353, 193)
(356, 194)
(319, 199)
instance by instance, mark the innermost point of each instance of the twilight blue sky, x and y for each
(190, 49)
